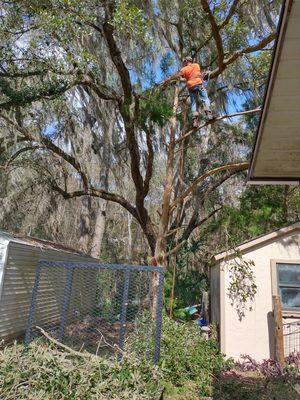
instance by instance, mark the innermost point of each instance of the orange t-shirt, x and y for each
(192, 74)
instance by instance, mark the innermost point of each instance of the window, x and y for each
(289, 285)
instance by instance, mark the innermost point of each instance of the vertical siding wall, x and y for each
(17, 282)
(215, 300)
(3, 255)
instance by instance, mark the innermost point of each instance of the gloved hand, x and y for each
(206, 75)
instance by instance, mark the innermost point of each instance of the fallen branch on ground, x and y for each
(67, 348)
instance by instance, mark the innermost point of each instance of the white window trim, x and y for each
(274, 279)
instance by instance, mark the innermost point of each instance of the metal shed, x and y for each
(18, 261)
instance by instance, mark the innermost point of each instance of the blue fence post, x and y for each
(66, 303)
(33, 304)
(158, 322)
(123, 313)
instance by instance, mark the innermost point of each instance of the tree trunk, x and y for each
(161, 243)
(160, 248)
(104, 154)
(99, 228)
(85, 224)
(129, 245)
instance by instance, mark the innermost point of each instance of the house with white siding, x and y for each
(275, 260)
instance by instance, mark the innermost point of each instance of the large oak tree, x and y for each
(63, 54)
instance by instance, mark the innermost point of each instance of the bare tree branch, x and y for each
(194, 223)
(231, 12)
(239, 53)
(215, 33)
(210, 122)
(101, 90)
(22, 150)
(168, 187)
(201, 178)
(116, 57)
(89, 191)
(103, 194)
(202, 196)
(149, 167)
(174, 250)
(51, 146)
(211, 214)
(23, 74)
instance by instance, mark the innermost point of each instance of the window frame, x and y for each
(286, 311)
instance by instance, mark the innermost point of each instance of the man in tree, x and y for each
(191, 73)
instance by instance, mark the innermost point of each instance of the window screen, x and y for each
(289, 285)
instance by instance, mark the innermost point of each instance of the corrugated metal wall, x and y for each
(17, 283)
(3, 253)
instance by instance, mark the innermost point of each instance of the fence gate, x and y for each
(291, 337)
(98, 307)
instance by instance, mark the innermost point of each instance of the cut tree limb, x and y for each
(63, 346)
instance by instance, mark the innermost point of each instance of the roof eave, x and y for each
(254, 242)
(273, 181)
(281, 30)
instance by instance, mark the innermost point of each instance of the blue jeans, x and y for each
(200, 91)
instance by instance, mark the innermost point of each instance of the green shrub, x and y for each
(188, 361)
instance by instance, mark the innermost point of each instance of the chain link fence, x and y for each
(291, 337)
(98, 307)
